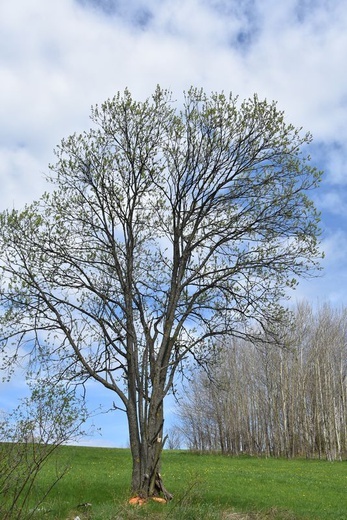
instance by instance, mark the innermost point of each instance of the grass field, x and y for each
(204, 486)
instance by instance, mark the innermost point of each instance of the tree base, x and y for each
(159, 488)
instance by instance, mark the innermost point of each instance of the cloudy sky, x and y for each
(60, 57)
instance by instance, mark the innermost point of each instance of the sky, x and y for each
(57, 59)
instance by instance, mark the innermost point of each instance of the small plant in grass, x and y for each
(29, 436)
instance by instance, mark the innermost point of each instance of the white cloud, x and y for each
(25, 177)
(330, 285)
(337, 161)
(333, 201)
(334, 245)
(301, 64)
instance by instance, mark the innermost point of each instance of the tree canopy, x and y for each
(166, 228)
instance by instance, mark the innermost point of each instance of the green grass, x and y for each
(204, 487)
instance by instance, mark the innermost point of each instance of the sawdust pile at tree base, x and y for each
(139, 501)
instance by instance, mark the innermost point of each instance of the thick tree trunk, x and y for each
(146, 478)
(146, 449)
(152, 483)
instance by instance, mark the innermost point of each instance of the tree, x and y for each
(30, 435)
(166, 229)
(294, 401)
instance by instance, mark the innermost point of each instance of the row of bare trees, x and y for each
(275, 401)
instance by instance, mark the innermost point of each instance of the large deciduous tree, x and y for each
(166, 228)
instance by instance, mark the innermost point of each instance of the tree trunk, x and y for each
(146, 450)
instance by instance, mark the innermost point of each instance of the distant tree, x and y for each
(173, 438)
(262, 399)
(166, 230)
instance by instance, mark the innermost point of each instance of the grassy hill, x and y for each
(205, 487)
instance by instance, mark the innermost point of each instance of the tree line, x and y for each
(260, 399)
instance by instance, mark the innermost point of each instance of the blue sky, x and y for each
(59, 58)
